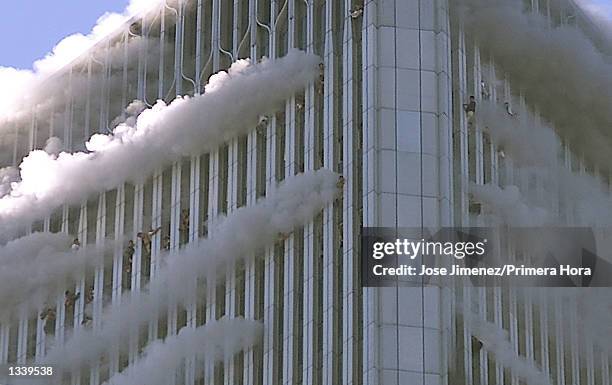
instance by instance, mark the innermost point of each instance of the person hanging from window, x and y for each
(87, 320)
(321, 86)
(48, 316)
(70, 299)
(89, 295)
(263, 122)
(476, 344)
(357, 11)
(509, 109)
(166, 242)
(128, 255)
(282, 236)
(184, 225)
(470, 108)
(76, 245)
(145, 238)
(340, 182)
(205, 225)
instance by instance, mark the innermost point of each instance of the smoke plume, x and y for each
(558, 69)
(495, 340)
(235, 237)
(232, 104)
(212, 342)
(19, 86)
(36, 269)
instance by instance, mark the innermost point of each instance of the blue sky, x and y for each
(31, 28)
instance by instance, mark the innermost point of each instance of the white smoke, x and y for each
(53, 146)
(212, 342)
(495, 340)
(232, 104)
(19, 85)
(287, 207)
(36, 269)
(535, 149)
(558, 69)
(509, 204)
(8, 175)
(518, 136)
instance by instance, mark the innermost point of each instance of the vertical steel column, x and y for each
(309, 280)
(463, 134)
(349, 288)
(98, 297)
(79, 306)
(22, 336)
(271, 286)
(117, 269)
(68, 115)
(60, 309)
(544, 310)
(493, 147)
(136, 268)
(105, 88)
(464, 201)
(252, 172)
(289, 291)
(330, 284)
(575, 345)
(232, 203)
(370, 301)
(605, 368)
(477, 129)
(86, 128)
(211, 283)
(559, 340)
(4, 341)
(157, 194)
(213, 197)
(194, 199)
(156, 222)
(175, 196)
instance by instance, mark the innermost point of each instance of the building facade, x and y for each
(386, 113)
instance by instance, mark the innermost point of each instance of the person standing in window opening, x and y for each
(509, 109)
(320, 87)
(184, 226)
(484, 90)
(470, 108)
(76, 245)
(89, 295)
(340, 182)
(166, 242)
(70, 299)
(128, 254)
(145, 238)
(48, 316)
(205, 225)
